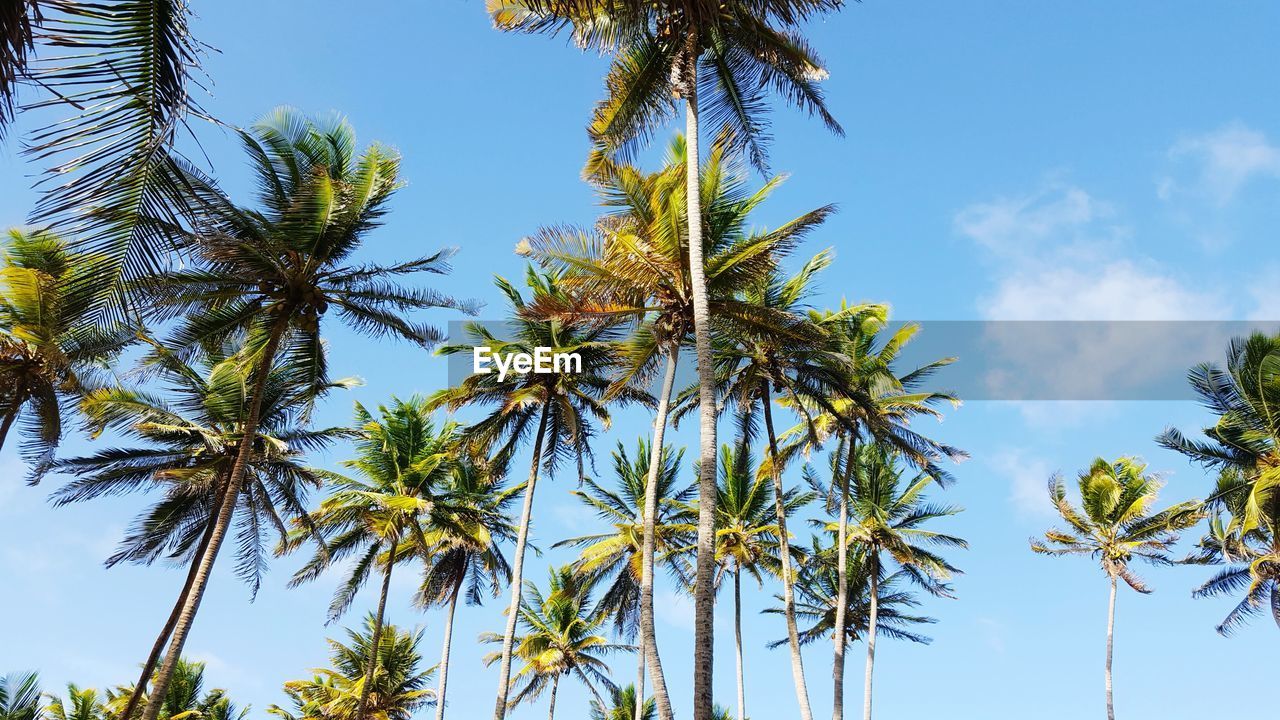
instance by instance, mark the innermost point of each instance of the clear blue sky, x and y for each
(1004, 160)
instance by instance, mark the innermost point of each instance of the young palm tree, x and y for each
(747, 538)
(625, 704)
(887, 512)
(1252, 558)
(185, 698)
(402, 460)
(1115, 524)
(466, 557)
(732, 53)
(562, 637)
(192, 428)
(632, 267)
(20, 696)
(556, 410)
(275, 273)
(617, 557)
(399, 689)
(48, 339)
(1243, 446)
(80, 705)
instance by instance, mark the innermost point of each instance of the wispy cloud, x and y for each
(1219, 163)
(1027, 476)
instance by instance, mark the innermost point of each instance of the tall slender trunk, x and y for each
(140, 687)
(737, 642)
(704, 580)
(555, 685)
(371, 667)
(517, 576)
(784, 553)
(234, 482)
(648, 633)
(1111, 630)
(448, 641)
(842, 590)
(872, 617)
(639, 706)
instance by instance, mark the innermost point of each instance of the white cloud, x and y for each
(1027, 477)
(1222, 162)
(1023, 225)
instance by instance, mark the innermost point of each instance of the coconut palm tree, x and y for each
(556, 410)
(48, 337)
(185, 698)
(276, 272)
(399, 689)
(747, 538)
(191, 428)
(20, 696)
(624, 706)
(1116, 524)
(888, 512)
(615, 558)
(632, 267)
(1243, 446)
(402, 460)
(80, 704)
(562, 637)
(721, 58)
(466, 554)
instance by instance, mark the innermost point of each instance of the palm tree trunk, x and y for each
(555, 685)
(1111, 629)
(737, 642)
(639, 708)
(871, 634)
(234, 482)
(140, 688)
(648, 633)
(842, 591)
(784, 553)
(517, 576)
(448, 641)
(704, 580)
(376, 641)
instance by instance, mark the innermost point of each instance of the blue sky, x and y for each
(1003, 160)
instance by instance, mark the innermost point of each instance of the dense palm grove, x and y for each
(220, 307)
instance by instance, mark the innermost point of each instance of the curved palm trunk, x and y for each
(871, 634)
(448, 642)
(517, 578)
(703, 588)
(784, 552)
(648, 634)
(234, 482)
(372, 666)
(140, 687)
(737, 642)
(842, 591)
(1111, 629)
(555, 685)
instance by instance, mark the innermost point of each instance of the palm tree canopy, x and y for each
(20, 696)
(747, 535)
(1115, 522)
(185, 699)
(190, 429)
(400, 686)
(623, 701)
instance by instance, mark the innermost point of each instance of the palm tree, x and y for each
(818, 601)
(185, 698)
(887, 512)
(48, 339)
(402, 459)
(1252, 557)
(1115, 524)
(397, 691)
(747, 538)
(466, 557)
(617, 557)
(556, 410)
(1243, 446)
(562, 637)
(192, 428)
(20, 696)
(734, 52)
(274, 273)
(79, 705)
(626, 700)
(632, 267)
